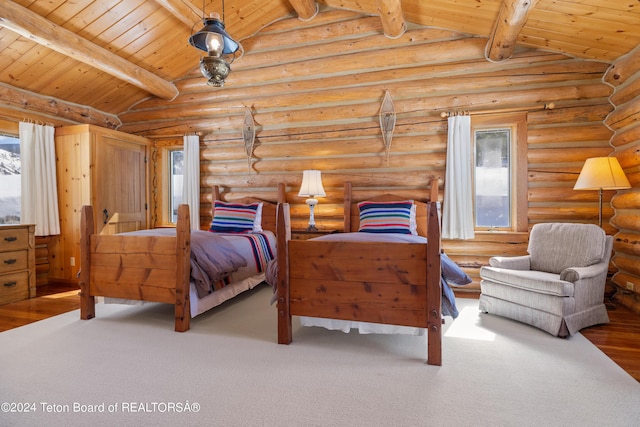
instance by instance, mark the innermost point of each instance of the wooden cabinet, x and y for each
(103, 168)
(17, 263)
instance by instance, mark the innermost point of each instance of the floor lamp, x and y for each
(601, 173)
(311, 187)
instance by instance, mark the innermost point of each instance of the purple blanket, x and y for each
(212, 258)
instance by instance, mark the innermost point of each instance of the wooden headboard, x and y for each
(352, 214)
(269, 208)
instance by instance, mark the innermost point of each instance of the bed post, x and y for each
(87, 301)
(285, 333)
(215, 195)
(183, 271)
(434, 291)
(433, 190)
(347, 207)
(282, 193)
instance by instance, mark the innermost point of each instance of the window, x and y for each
(9, 180)
(175, 185)
(166, 169)
(492, 182)
(500, 179)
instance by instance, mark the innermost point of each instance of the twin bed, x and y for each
(192, 269)
(377, 277)
(384, 280)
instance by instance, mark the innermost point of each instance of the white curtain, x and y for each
(39, 202)
(457, 215)
(191, 178)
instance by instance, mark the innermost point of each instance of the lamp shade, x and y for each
(601, 173)
(311, 184)
(213, 38)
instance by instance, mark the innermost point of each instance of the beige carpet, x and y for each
(132, 369)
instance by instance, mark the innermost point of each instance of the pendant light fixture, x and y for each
(219, 46)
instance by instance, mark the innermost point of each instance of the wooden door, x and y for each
(120, 177)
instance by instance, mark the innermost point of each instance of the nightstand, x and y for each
(305, 234)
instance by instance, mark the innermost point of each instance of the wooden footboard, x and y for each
(397, 283)
(368, 282)
(145, 268)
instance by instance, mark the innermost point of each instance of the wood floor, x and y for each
(50, 301)
(620, 339)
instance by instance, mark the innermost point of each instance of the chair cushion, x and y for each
(556, 246)
(535, 281)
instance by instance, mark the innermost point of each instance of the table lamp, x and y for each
(311, 187)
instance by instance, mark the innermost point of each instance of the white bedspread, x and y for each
(372, 237)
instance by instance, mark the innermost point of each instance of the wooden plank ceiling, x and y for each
(95, 59)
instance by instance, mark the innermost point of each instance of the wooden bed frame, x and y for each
(388, 283)
(146, 268)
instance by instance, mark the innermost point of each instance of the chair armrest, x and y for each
(573, 274)
(512, 263)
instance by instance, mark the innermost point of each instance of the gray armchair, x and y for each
(559, 286)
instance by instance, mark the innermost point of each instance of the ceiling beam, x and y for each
(28, 103)
(306, 9)
(393, 23)
(184, 11)
(38, 29)
(512, 16)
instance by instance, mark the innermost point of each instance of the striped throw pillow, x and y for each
(386, 217)
(234, 217)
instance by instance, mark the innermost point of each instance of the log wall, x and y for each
(315, 88)
(624, 77)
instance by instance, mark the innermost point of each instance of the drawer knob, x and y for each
(10, 261)
(10, 284)
(11, 239)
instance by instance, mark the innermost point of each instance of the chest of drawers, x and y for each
(17, 262)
